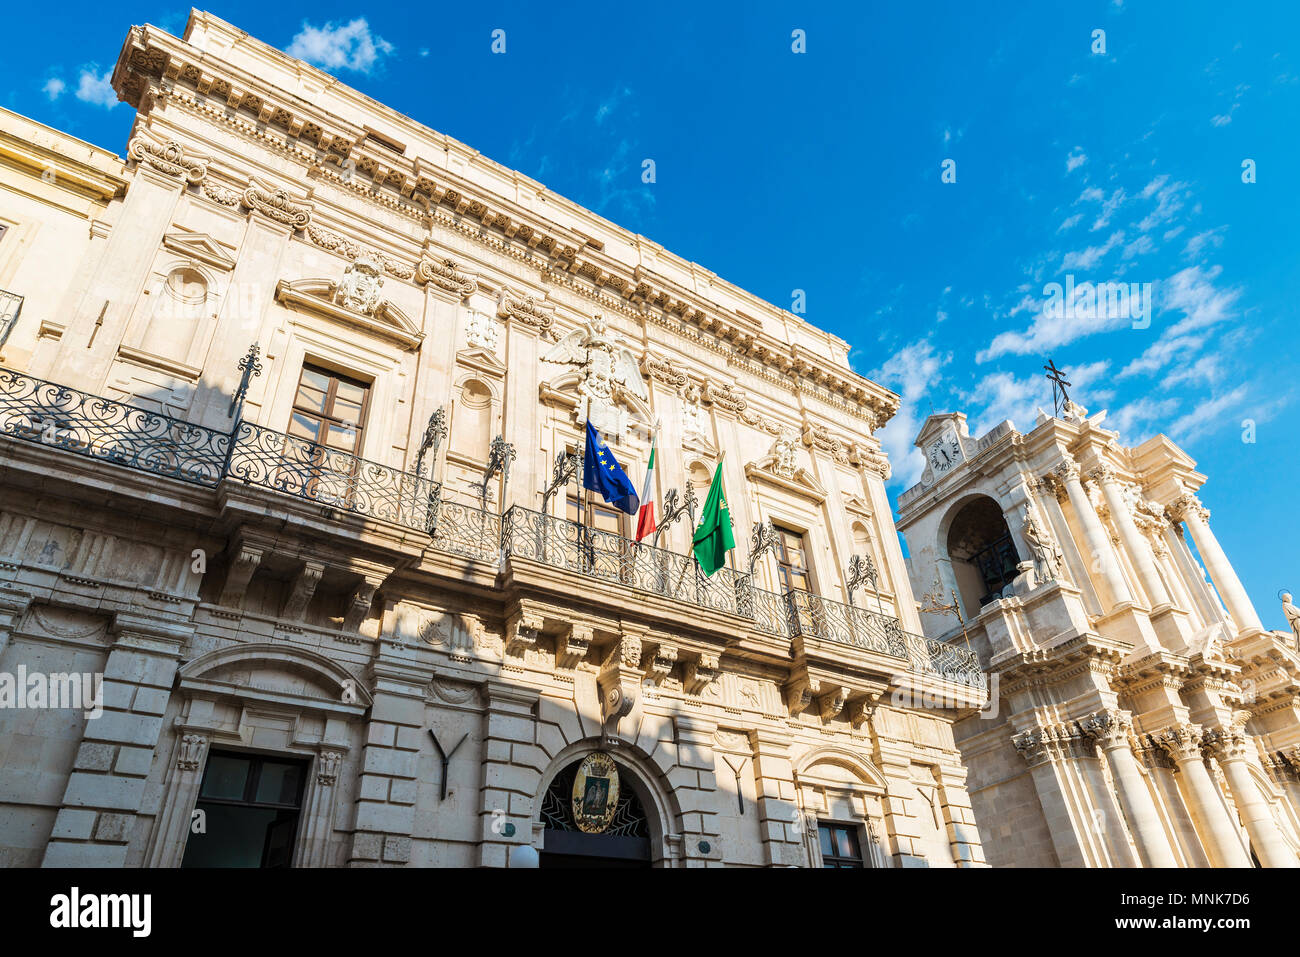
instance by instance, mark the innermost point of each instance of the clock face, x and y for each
(944, 454)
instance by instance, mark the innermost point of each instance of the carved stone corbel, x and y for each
(572, 647)
(619, 681)
(861, 712)
(521, 633)
(697, 675)
(359, 604)
(661, 662)
(832, 702)
(304, 587)
(800, 691)
(239, 574)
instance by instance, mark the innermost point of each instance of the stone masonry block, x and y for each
(95, 757)
(73, 824)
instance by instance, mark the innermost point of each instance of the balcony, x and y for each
(46, 413)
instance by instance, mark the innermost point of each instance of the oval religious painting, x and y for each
(595, 792)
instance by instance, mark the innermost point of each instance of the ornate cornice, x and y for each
(446, 275)
(275, 203)
(168, 156)
(154, 65)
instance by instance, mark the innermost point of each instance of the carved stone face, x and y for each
(360, 287)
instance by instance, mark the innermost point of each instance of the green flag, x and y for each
(713, 539)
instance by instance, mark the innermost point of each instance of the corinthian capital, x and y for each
(1185, 506)
(1227, 744)
(1183, 742)
(1032, 746)
(1067, 471)
(1101, 473)
(1110, 728)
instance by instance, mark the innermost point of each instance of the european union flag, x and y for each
(602, 473)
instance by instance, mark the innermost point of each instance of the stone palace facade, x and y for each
(289, 403)
(1142, 715)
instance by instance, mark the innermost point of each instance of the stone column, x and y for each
(1111, 729)
(1135, 542)
(1220, 839)
(1188, 509)
(318, 811)
(1232, 748)
(512, 771)
(1207, 604)
(107, 784)
(1035, 746)
(777, 811)
(1101, 551)
(13, 605)
(1076, 566)
(386, 800)
(172, 828)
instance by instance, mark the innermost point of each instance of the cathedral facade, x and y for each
(291, 403)
(1140, 713)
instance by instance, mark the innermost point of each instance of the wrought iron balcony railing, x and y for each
(306, 469)
(43, 412)
(613, 558)
(51, 414)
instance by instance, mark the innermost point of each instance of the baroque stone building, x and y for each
(289, 404)
(1141, 714)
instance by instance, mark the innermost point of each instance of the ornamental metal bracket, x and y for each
(674, 510)
(434, 434)
(565, 470)
(863, 569)
(445, 758)
(501, 454)
(250, 367)
(762, 539)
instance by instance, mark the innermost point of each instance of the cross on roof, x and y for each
(1059, 396)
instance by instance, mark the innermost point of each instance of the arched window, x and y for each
(983, 554)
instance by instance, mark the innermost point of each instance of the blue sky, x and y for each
(821, 171)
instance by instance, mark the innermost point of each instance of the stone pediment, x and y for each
(318, 296)
(199, 246)
(481, 360)
(800, 481)
(857, 505)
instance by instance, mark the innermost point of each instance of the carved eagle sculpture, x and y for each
(606, 363)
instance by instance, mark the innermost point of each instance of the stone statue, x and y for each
(1047, 557)
(606, 376)
(361, 283)
(783, 452)
(1292, 617)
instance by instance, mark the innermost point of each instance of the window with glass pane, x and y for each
(329, 409)
(839, 844)
(251, 807)
(792, 560)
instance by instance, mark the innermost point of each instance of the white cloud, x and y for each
(1202, 241)
(349, 46)
(1088, 315)
(1160, 353)
(1221, 119)
(1207, 417)
(912, 372)
(54, 88)
(1069, 222)
(1138, 421)
(1205, 370)
(1076, 159)
(1089, 257)
(1168, 202)
(1108, 208)
(1002, 395)
(94, 87)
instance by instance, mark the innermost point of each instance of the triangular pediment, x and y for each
(317, 296)
(857, 505)
(199, 246)
(801, 482)
(940, 422)
(481, 360)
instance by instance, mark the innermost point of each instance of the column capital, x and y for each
(1033, 746)
(1183, 742)
(1227, 744)
(1102, 473)
(1186, 506)
(1110, 727)
(1067, 471)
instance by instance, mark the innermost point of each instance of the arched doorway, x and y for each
(625, 842)
(982, 552)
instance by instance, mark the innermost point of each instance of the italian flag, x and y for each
(645, 519)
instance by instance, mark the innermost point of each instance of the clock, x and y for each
(943, 454)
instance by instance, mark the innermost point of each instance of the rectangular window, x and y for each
(250, 808)
(792, 560)
(330, 409)
(839, 844)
